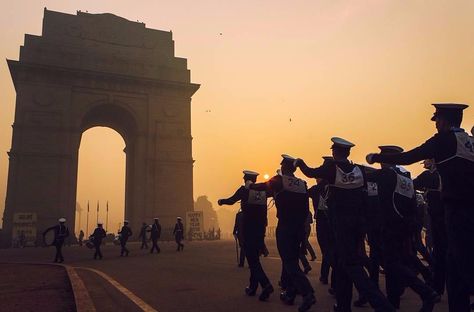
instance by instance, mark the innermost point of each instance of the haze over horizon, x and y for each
(276, 77)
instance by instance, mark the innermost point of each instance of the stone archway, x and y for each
(89, 70)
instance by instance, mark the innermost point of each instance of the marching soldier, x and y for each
(179, 234)
(125, 233)
(292, 203)
(398, 203)
(239, 237)
(155, 234)
(61, 232)
(374, 232)
(81, 237)
(254, 221)
(142, 236)
(346, 201)
(429, 181)
(97, 237)
(324, 234)
(453, 152)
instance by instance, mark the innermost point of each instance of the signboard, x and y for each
(195, 225)
(24, 229)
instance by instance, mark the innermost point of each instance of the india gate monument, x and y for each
(88, 70)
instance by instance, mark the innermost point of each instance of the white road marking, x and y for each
(126, 292)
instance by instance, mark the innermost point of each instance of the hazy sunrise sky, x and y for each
(364, 70)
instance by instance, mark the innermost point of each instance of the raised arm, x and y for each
(231, 200)
(422, 152)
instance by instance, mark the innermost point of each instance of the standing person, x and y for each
(155, 234)
(96, 238)
(292, 203)
(178, 234)
(346, 201)
(318, 194)
(239, 237)
(374, 219)
(398, 203)
(81, 237)
(453, 152)
(254, 218)
(142, 236)
(125, 233)
(61, 232)
(429, 181)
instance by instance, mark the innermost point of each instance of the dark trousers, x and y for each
(375, 255)
(144, 244)
(289, 239)
(307, 245)
(397, 277)
(123, 247)
(349, 258)
(59, 252)
(98, 252)
(242, 254)
(253, 245)
(421, 248)
(155, 246)
(398, 273)
(323, 236)
(460, 230)
(346, 276)
(440, 246)
(178, 239)
(304, 261)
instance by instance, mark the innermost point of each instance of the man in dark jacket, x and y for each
(155, 234)
(61, 232)
(292, 203)
(143, 237)
(398, 204)
(178, 233)
(97, 237)
(125, 233)
(254, 221)
(453, 151)
(429, 182)
(346, 201)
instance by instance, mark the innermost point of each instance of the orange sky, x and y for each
(365, 70)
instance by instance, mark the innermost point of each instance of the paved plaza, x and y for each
(204, 277)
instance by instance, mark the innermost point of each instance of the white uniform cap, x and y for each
(156, 219)
(288, 157)
(62, 220)
(250, 173)
(125, 221)
(178, 218)
(391, 148)
(340, 142)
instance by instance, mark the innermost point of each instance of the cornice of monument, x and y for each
(16, 68)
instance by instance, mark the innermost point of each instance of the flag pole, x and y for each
(87, 222)
(107, 217)
(97, 216)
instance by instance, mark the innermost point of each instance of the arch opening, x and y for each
(101, 180)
